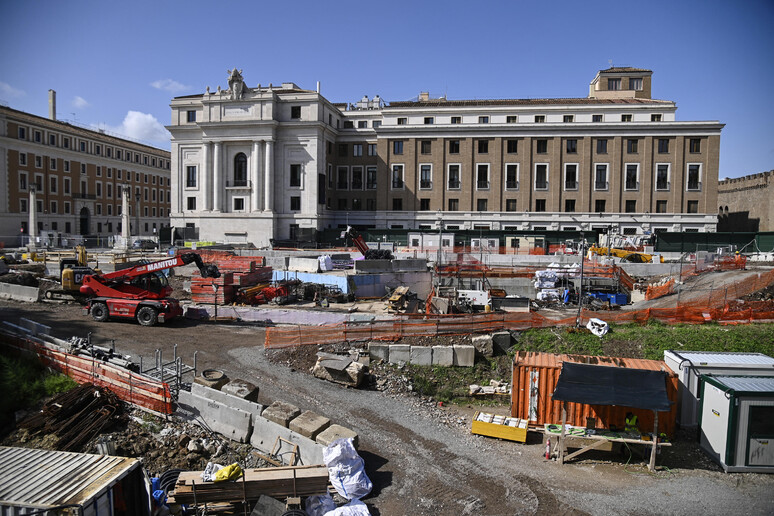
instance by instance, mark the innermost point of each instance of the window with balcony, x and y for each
(541, 176)
(600, 177)
(240, 169)
(454, 177)
(397, 177)
(190, 177)
(631, 179)
(662, 177)
(571, 176)
(357, 178)
(482, 176)
(425, 177)
(511, 176)
(694, 177)
(371, 178)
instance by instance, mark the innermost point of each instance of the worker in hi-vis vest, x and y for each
(631, 423)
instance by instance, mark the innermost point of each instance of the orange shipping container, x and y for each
(534, 380)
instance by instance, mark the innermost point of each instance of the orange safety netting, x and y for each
(657, 291)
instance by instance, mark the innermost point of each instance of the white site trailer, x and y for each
(736, 422)
(690, 365)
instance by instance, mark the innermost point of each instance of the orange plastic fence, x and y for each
(657, 291)
(128, 386)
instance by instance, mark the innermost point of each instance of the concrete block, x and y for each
(352, 375)
(373, 266)
(264, 438)
(241, 389)
(19, 292)
(379, 351)
(309, 424)
(502, 342)
(443, 355)
(212, 378)
(277, 262)
(483, 344)
(464, 356)
(303, 264)
(281, 413)
(414, 265)
(227, 399)
(334, 432)
(400, 353)
(230, 422)
(421, 355)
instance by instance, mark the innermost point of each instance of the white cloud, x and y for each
(142, 126)
(7, 90)
(79, 102)
(169, 85)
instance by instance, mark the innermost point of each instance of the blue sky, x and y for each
(116, 65)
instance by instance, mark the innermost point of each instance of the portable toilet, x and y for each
(736, 422)
(690, 365)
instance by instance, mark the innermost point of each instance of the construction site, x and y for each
(599, 375)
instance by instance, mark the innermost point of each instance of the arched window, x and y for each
(240, 169)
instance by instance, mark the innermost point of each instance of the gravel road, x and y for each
(419, 463)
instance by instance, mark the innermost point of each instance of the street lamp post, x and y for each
(137, 212)
(440, 238)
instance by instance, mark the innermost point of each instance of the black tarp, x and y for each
(603, 385)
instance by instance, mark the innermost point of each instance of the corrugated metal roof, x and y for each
(535, 359)
(44, 478)
(748, 383)
(721, 357)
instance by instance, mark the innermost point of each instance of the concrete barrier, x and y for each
(421, 355)
(19, 292)
(227, 399)
(373, 266)
(414, 265)
(379, 351)
(230, 422)
(443, 356)
(264, 438)
(464, 356)
(400, 353)
(303, 264)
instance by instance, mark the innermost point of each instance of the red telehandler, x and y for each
(139, 292)
(368, 254)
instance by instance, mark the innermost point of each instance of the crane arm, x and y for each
(207, 271)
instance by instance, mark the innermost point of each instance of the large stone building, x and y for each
(250, 164)
(746, 203)
(77, 175)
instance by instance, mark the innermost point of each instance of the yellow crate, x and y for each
(502, 427)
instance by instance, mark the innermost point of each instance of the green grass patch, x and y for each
(450, 384)
(24, 382)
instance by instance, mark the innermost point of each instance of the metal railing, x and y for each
(454, 185)
(513, 185)
(482, 185)
(570, 185)
(600, 185)
(541, 185)
(239, 183)
(425, 184)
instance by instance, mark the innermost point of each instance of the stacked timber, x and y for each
(235, 272)
(274, 482)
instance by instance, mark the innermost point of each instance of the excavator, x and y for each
(71, 274)
(625, 254)
(367, 252)
(139, 292)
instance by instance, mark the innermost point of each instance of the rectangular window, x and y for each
(39, 208)
(662, 177)
(22, 134)
(694, 177)
(482, 176)
(596, 118)
(295, 175)
(295, 111)
(342, 178)
(569, 205)
(635, 83)
(631, 181)
(190, 177)
(511, 119)
(99, 191)
(424, 204)
(630, 206)
(38, 136)
(110, 175)
(342, 204)
(541, 147)
(110, 191)
(425, 177)
(661, 206)
(397, 147)
(190, 203)
(483, 146)
(23, 159)
(191, 116)
(23, 206)
(454, 146)
(511, 176)
(663, 145)
(602, 146)
(52, 139)
(361, 124)
(330, 175)
(572, 146)
(397, 177)
(483, 120)
(540, 205)
(655, 117)
(52, 184)
(429, 120)
(614, 84)
(371, 178)
(99, 209)
(66, 185)
(541, 176)
(510, 205)
(397, 204)
(600, 177)
(632, 145)
(295, 203)
(481, 204)
(540, 119)
(402, 120)
(454, 205)
(357, 178)
(568, 119)
(599, 206)
(371, 204)
(54, 207)
(695, 145)
(98, 150)
(456, 119)
(454, 177)
(626, 118)
(512, 146)
(239, 204)
(425, 146)
(66, 165)
(571, 176)
(22, 182)
(357, 149)
(342, 150)
(38, 161)
(372, 149)
(693, 207)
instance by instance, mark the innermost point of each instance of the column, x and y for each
(268, 176)
(216, 177)
(255, 164)
(33, 219)
(206, 177)
(125, 225)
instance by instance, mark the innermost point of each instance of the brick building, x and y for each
(250, 164)
(77, 175)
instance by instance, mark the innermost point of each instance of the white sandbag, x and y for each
(319, 505)
(597, 326)
(346, 469)
(353, 508)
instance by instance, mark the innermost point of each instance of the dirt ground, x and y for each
(421, 457)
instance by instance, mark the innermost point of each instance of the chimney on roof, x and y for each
(424, 96)
(52, 104)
